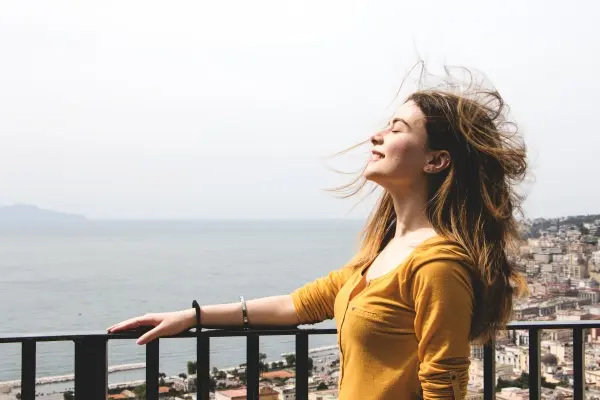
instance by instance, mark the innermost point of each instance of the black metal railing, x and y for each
(534, 329)
(91, 366)
(91, 359)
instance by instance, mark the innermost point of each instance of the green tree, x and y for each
(221, 375)
(501, 384)
(583, 229)
(322, 386)
(550, 359)
(215, 370)
(212, 383)
(68, 395)
(279, 381)
(243, 377)
(18, 396)
(521, 382)
(262, 365)
(183, 375)
(290, 360)
(161, 378)
(192, 367)
(549, 385)
(140, 392)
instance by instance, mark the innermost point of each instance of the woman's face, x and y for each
(400, 153)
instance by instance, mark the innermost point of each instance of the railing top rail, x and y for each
(565, 324)
(266, 331)
(134, 334)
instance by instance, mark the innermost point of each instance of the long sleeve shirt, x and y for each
(405, 335)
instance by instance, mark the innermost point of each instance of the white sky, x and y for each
(222, 109)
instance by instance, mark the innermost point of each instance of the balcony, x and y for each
(91, 365)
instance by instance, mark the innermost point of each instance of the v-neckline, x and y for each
(368, 283)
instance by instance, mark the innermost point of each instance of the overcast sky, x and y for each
(223, 109)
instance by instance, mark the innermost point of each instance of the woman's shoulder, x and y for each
(440, 251)
(440, 262)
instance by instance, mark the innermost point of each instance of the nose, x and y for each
(377, 139)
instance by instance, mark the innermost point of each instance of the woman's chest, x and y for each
(378, 307)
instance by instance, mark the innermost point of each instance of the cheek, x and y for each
(406, 151)
(400, 147)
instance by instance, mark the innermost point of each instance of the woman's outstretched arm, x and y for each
(266, 311)
(310, 304)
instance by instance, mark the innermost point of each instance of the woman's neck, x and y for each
(410, 207)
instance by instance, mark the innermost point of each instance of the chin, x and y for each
(380, 176)
(371, 174)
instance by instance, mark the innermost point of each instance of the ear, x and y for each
(437, 161)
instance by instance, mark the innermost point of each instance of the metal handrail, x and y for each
(91, 376)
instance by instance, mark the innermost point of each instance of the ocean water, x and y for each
(85, 277)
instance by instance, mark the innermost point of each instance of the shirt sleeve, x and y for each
(314, 301)
(443, 298)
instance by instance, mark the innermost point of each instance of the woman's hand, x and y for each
(165, 324)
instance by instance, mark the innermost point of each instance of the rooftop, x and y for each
(278, 374)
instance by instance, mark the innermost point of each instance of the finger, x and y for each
(114, 326)
(151, 335)
(133, 323)
(125, 325)
(118, 326)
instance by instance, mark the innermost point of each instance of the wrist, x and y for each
(190, 318)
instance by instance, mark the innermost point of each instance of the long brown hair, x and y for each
(473, 202)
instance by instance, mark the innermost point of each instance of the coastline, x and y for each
(49, 381)
(46, 380)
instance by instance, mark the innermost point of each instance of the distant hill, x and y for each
(22, 214)
(579, 219)
(544, 223)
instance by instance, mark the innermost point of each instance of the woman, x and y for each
(432, 273)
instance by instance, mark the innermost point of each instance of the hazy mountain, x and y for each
(22, 214)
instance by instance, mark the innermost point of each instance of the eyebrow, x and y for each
(400, 120)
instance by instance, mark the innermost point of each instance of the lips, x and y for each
(377, 155)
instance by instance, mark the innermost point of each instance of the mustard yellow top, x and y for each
(406, 334)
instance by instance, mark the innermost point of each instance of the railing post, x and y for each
(578, 363)
(252, 370)
(91, 368)
(489, 370)
(28, 370)
(152, 358)
(301, 366)
(535, 383)
(203, 367)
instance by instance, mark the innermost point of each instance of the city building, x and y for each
(265, 393)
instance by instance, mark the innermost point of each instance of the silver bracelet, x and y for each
(244, 312)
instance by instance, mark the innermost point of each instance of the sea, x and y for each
(86, 276)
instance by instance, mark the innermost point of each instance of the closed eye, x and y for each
(398, 125)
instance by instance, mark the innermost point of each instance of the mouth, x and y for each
(376, 155)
